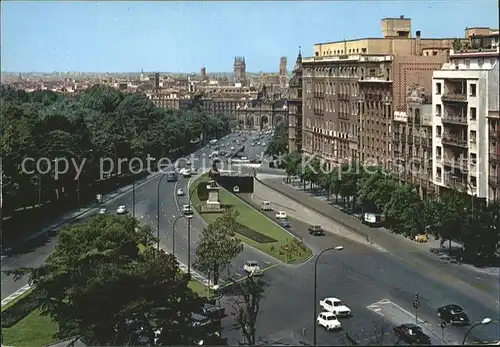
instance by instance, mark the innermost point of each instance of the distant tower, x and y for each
(203, 73)
(142, 75)
(283, 75)
(239, 69)
(157, 80)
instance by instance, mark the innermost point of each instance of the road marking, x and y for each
(16, 294)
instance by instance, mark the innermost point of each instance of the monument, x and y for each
(213, 204)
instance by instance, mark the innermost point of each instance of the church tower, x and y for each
(239, 69)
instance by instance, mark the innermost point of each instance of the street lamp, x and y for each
(188, 217)
(484, 321)
(337, 248)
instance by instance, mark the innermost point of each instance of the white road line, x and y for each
(15, 295)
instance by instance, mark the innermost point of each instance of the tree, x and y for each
(291, 162)
(403, 211)
(278, 145)
(94, 261)
(218, 245)
(375, 191)
(246, 304)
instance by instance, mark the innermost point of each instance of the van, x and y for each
(266, 206)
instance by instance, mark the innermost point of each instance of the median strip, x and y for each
(254, 229)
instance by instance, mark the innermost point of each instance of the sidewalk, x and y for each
(381, 235)
(79, 213)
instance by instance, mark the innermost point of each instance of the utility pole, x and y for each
(443, 325)
(416, 305)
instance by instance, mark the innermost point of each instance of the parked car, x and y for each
(121, 209)
(213, 312)
(187, 210)
(411, 334)
(103, 211)
(453, 314)
(200, 321)
(180, 192)
(329, 321)
(284, 223)
(316, 230)
(336, 306)
(266, 206)
(251, 267)
(281, 215)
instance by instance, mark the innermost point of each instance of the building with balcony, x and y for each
(465, 118)
(352, 89)
(412, 142)
(295, 108)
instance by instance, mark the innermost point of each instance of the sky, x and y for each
(115, 36)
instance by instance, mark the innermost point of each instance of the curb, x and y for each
(15, 295)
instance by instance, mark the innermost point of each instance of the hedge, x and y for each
(20, 309)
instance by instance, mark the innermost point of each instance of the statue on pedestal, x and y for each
(214, 172)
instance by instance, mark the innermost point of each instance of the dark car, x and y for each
(284, 223)
(453, 314)
(316, 230)
(411, 334)
(201, 321)
(213, 312)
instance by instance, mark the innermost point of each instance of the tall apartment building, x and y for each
(466, 126)
(412, 141)
(295, 108)
(282, 72)
(352, 89)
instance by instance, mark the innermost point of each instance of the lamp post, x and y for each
(158, 214)
(188, 217)
(337, 248)
(484, 321)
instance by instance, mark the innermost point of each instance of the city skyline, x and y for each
(128, 37)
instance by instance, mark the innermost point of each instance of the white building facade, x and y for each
(465, 104)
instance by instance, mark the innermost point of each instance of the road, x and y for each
(146, 211)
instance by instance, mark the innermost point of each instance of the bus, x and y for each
(171, 176)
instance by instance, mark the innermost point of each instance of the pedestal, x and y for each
(213, 203)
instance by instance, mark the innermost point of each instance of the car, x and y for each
(180, 192)
(329, 321)
(263, 144)
(251, 267)
(266, 206)
(285, 223)
(232, 148)
(316, 230)
(213, 312)
(200, 321)
(411, 334)
(336, 306)
(103, 211)
(186, 173)
(453, 314)
(121, 209)
(281, 215)
(187, 210)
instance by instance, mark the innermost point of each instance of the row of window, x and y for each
(454, 89)
(341, 52)
(472, 112)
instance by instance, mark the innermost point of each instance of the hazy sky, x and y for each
(184, 36)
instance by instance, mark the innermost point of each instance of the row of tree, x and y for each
(453, 216)
(109, 254)
(278, 145)
(98, 123)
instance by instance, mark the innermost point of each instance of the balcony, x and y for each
(452, 119)
(426, 142)
(457, 163)
(494, 134)
(396, 138)
(454, 97)
(416, 141)
(319, 94)
(318, 112)
(343, 115)
(494, 181)
(343, 96)
(375, 79)
(453, 141)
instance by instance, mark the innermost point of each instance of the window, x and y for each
(473, 89)
(438, 110)
(473, 158)
(472, 136)
(438, 131)
(438, 152)
(467, 63)
(473, 113)
(438, 88)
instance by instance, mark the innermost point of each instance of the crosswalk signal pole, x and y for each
(416, 304)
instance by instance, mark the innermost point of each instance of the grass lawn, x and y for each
(253, 219)
(33, 330)
(198, 287)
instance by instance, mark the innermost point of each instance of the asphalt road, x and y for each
(146, 211)
(377, 286)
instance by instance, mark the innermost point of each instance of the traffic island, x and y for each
(254, 228)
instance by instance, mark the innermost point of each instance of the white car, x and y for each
(121, 209)
(251, 267)
(281, 215)
(186, 209)
(266, 206)
(335, 306)
(180, 192)
(186, 173)
(329, 321)
(232, 148)
(103, 211)
(263, 144)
